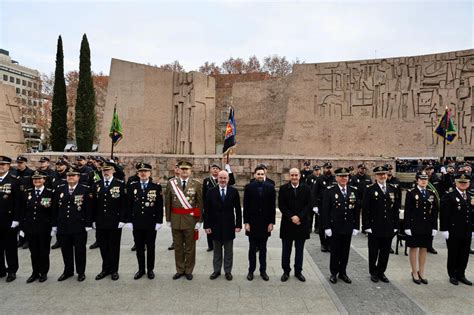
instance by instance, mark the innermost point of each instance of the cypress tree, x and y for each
(58, 127)
(85, 102)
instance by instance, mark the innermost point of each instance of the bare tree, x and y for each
(174, 66)
(277, 66)
(210, 68)
(234, 66)
(252, 65)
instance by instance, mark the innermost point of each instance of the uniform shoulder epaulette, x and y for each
(14, 176)
(393, 185)
(85, 186)
(29, 189)
(120, 180)
(330, 186)
(353, 187)
(133, 182)
(369, 185)
(49, 189)
(61, 185)
(410, 189)
(195, 180)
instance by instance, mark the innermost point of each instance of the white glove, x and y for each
(368, 230)
(408, 232)
(472, 235)
(130, 226)
(355, 232)
(443, 170)
(433, 232)
(158, 226)
(88, 228)
(197, 226)
(121, 225)
(15, 224)
(316, 210)
(395, 230)
(227, 168)
(168, 223)
(54, 230)
(328, 232)
(445, 234)
(93, 225)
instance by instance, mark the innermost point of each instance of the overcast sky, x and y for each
(193, 32)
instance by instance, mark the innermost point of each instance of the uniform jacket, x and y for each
(38, 210)
(259, 209)
(145, 206)
(457, 214)
(319, 187)
(380, 212)
(10, 201)
(341, 215)
(294, 202)
(72, 213)
(361, 182)
(110, 204)
(421, 213)
(222, 217)
(193, 193)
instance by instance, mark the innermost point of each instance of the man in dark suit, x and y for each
(72, 219)
(259, 218)
(110, 204)
(457, 228)
(380, 207)
(10, 216)
(294, 201)
(340, 220)
(222, 219)
(265, 178)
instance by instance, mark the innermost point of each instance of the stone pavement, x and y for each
(201, 295)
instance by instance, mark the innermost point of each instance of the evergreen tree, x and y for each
(85, 102)
(58, 127)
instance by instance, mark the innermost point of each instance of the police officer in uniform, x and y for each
(145, 200)
(110, 206)
(457, 228)
(361, 180)
(57, 178)
(10, 217)
(44, 166)
(207, 184)
(23, 173)
(37, 224)
(380, 208)
(310, 182)
(434, 183)
(72, 219)
(306, 172)
(326, 180)
(340, 216)
(184, 203)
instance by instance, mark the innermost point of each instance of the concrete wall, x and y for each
(12, 141)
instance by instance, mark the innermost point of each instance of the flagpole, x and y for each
(445, 136)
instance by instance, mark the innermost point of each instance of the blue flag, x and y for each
(230, 133)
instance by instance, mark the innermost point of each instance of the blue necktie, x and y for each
(143, 186)
(423, 192)
(344, 192)
(222, 194)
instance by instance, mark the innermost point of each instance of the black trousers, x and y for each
(73, 248)
(142, 238)
(325, 241)
(379, 251)
(261, 244)
(109, 244)
(458, 256)
(210, 243)
(8, 250)
(39, 249)
(340, 247)
(287, 246)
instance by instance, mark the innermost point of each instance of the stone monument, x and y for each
(12, 141)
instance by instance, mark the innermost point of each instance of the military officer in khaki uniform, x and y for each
(184, 203)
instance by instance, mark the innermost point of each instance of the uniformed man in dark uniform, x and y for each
(467, 169)
(37, 224)
(393, 180)
(305, 172)
(81, 166)
(340, 220)
(10, 217)
(447, 181)
(57, 178)
(94, 177)
(360, 180)
(327, 179)
(110, 206)
(90, 162)
(457, 228)
(72, 219)
(208, 183)
(145, 206)
(23, 173)
(311, 181)
(44, 165)
(380, 209)
(434, 185)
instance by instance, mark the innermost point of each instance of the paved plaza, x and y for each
(201, 295)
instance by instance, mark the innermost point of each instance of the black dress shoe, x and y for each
(250, 276)
(392, 251)
(189, 276)
(101, 275)
(214, 275)
(19, 243)
(264, 276)
(65, 276)
(333, 279)
(150, 274)
(324, 249)
(11, 277)
(417, 281)
(115, 276)
(300, 277)
(25, 245)
(43, 278)
(134, 248)
(171, 247)
(55, 245)
(139, 274)
(432, 251)
(285, 277)
(471, 251)
(454, 281)
(94, 246)
(81, 277)
(383, 278)
(345, 278)
(228, 276)
(209, 250)
(177, 276)
(374, 278)
(465, 281)
(32, 278)
(424, 281)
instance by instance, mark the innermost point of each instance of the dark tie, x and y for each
(294, 191)
(222, 194)
(464, 195)
(423, 192)
(106, 184)
(143, 186)
(71, 190)
(184, 185)
(344, 192)
(38, 192)
(384, 189)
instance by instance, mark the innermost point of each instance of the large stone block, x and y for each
(12, 141)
